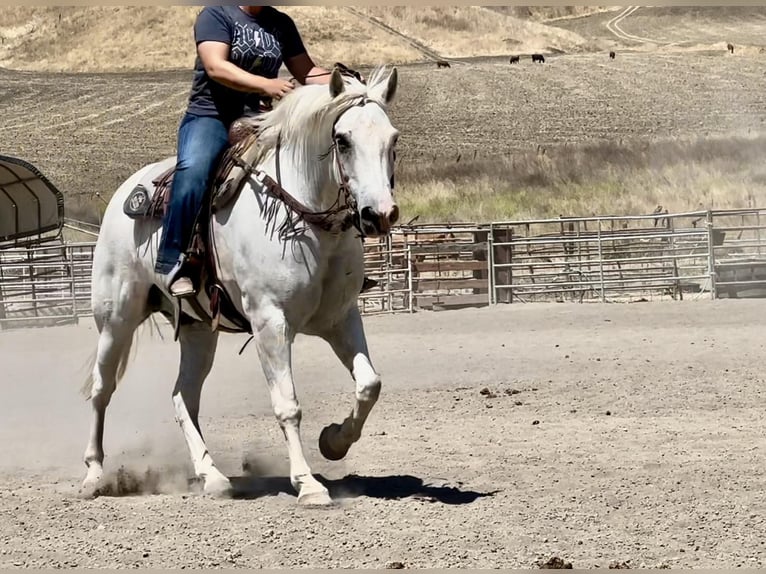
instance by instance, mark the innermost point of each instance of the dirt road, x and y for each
(617, 432)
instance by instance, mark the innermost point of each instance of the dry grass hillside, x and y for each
(700, 25)
(149, 38)
(474, 30)
(678, 121)
(152, 38)
(551, 13)
(677, 28)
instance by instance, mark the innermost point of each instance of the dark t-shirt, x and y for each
(258, 44)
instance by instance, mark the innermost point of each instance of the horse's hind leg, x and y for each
(350, 345)
(198, 346)
(116, 325)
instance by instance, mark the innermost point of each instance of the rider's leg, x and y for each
(201, 141)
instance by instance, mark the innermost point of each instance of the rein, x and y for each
(335, 219)
(338, 218)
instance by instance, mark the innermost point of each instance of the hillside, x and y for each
(551, 13)
(674, 120)
(148, 38)
(152, 38)
(580, 134)
(674, 28)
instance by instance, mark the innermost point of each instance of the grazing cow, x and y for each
(515, 59)
(538, 58)
(442, 64)
(730, 47)
(612, 55)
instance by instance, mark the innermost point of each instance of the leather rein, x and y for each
(343, 214)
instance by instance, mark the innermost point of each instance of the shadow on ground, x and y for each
(354, 486)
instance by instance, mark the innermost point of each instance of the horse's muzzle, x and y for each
(375, 223)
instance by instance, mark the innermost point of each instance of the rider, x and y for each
(239, 52)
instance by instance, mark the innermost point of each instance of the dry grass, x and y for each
(101, 38)
(152, 38)
(574, 99)
(552, 13)
(706, 25)
(474, 31)
(631, 178)
(681, 27)
(332, 34)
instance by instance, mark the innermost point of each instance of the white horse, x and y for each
(317, 140)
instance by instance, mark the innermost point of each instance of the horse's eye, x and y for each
(343, 142)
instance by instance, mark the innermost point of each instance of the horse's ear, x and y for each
(336, 83)
(389, 91)
(393, 80)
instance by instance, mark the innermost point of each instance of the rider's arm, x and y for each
(296, 57)
(214, 56)
(305, 71)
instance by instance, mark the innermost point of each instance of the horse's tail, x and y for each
(88, 367)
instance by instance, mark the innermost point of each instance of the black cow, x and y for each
(612, 55)
(730, 47)
(538, 58)
(442, 64)
(515, 59)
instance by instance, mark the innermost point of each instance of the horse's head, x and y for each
(365, 143)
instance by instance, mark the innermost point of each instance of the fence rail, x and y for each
(710, 254)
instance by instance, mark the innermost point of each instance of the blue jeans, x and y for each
(201, 142)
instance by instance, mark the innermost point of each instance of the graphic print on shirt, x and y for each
(256, 50)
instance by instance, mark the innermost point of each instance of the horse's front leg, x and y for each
(274, 340)
(349, 343)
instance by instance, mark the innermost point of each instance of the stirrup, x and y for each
(182, 287)
(179, 284)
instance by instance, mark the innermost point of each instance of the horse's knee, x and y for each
(101, 396)
(288, 413)
(368, 387)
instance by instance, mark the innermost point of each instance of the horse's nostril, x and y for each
(368, 214)
(394, 216)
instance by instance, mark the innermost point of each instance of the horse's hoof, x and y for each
(88, 489)
(325, 448)
(218, 487)
(315, 498)
(91, 483)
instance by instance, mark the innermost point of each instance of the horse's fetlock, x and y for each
(369, 390)
(91, 458)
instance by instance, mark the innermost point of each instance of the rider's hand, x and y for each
(278, 88)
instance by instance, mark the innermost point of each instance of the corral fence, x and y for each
(711, 254)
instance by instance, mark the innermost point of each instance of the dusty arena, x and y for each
(600, 434)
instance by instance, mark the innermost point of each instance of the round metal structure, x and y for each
(31, 208)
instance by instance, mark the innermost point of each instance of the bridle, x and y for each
(345, 206)
(343, 214)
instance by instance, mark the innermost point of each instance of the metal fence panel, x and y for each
(710, 254)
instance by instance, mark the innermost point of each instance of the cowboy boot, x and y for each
(181, 279)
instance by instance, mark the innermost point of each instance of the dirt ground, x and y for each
(629, 433)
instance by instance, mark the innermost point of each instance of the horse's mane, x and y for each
(301, 120)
